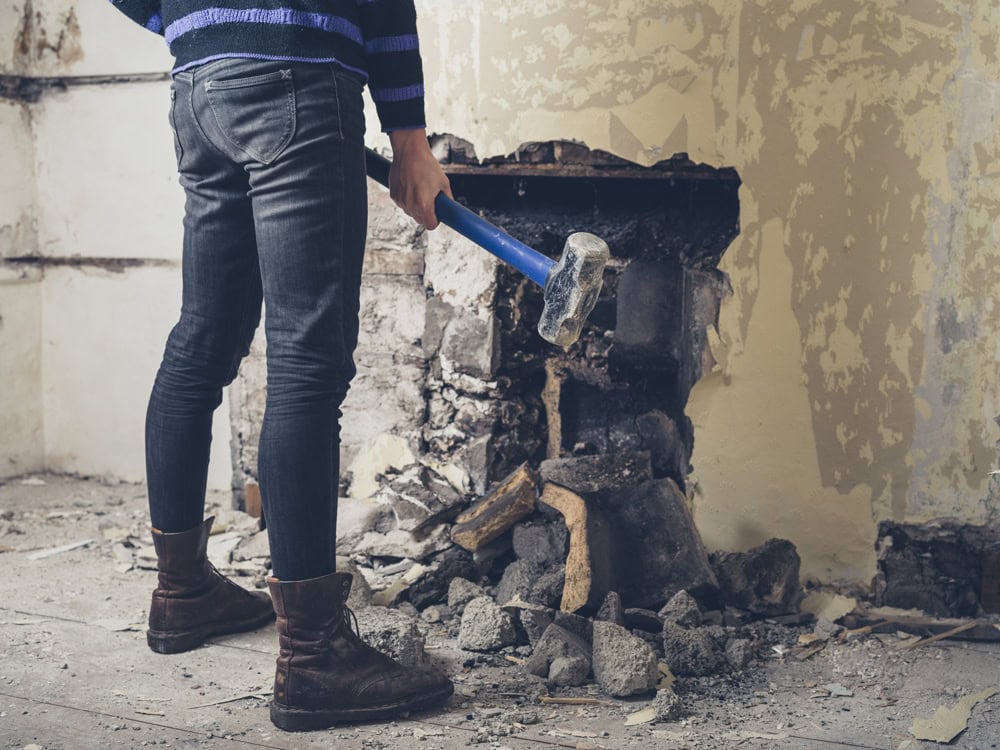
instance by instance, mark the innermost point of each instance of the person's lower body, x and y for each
(271, 158)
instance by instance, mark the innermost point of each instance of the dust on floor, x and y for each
(76, 672)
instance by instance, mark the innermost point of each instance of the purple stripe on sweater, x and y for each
(155, 23)
(401, 94)
(381, 44)
(255, 56)
(277, 17)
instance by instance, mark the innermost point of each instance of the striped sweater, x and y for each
(374, 38)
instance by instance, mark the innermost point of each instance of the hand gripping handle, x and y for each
(528, 261)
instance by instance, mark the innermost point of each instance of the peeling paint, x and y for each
(858, 374)
(872, 132)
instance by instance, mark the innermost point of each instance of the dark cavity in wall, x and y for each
(625, 384)
(945, 569)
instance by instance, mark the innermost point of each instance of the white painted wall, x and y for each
(92, 176)
(21, 445)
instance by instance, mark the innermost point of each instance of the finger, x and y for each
(430, 215)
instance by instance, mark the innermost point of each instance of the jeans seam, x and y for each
(238, 349)
(340, 117)
(204, 135)
(286, 137)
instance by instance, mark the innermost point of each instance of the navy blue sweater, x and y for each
(374, 38)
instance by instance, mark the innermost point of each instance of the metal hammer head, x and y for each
(572, 288)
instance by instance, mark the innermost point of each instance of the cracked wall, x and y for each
(856, 376)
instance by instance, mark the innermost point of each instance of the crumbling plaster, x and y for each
(857, 365)
(857, 373)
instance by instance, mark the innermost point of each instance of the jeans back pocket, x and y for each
(257, 113)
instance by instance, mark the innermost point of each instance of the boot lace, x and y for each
(351, 620)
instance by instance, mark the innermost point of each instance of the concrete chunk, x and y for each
(690, 652)
(561, 657)
(763, 580)
(485, 627)
(393, 633)
(683, 610)
(461, 592)
(623, 664)
(587, 474)
(611, 610)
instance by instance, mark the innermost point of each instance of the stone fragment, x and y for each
(569, 671)
(557, 644)
(447, 566)
(683, 610)
(469, 345)
(825, 630)
(381, 454)
(253, 547)
(589, 564)
(393, 633)
(418, 499)
(582, 626)
(534, 622)
(490, 556)
(399, 543)
(714, 617)
(461, 592)
(485, 627)
(540, 543)
(517, 581)
(690, 652)
(623, 664)
(739, 652)
(668, 705)
(611, 610)
(548, 587)
(511, 501)
(658, 549)
(356, 518)
(763, 580)
(642, 619)
(588, 474)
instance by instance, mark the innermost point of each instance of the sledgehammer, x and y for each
(570, 286)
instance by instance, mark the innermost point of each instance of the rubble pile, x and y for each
(586, 571)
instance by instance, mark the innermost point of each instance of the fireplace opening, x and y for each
(624, 385)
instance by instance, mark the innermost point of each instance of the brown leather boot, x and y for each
(326, 674)
(193, 600)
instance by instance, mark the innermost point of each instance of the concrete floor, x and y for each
(76, 672)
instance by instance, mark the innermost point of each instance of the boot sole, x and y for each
(175, 642)
(306, 720)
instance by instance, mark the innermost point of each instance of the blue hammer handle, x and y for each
(528, 261)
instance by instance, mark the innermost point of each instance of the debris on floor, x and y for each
(949, 721)
(696, 671)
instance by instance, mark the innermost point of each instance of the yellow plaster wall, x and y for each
(857, 376)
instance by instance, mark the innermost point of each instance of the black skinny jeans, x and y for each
(271, 158)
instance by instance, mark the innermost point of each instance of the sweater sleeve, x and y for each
(146, 13)
(395, 71)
